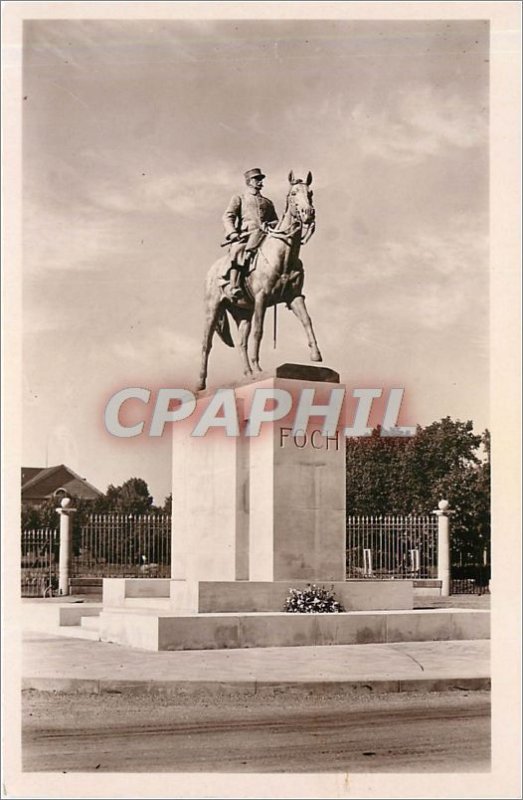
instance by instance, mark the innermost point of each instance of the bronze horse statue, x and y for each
(277, 278)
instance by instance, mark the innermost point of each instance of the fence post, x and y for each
(443, 513)
(66, 545)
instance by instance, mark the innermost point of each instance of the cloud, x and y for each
(155, 345)
(459, 249)
(67, 239)
(418, 123)
(62, 228)
(162, 188)
(426, 280)
(91, 223)
(63, 445)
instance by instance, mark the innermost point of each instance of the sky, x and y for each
(135, 136)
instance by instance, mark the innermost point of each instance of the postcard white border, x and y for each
(503, 781)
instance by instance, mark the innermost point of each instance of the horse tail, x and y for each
(223, 328)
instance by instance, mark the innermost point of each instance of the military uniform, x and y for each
(244, 221)
(245, 215)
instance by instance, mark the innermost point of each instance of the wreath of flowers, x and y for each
(312, 600)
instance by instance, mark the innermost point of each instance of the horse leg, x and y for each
(244, 328)
(299, 308)
(259, 315)
(211, 317)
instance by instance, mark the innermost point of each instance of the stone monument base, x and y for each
(256, 516)
(147, 613)
(226, 597)
(136, 623)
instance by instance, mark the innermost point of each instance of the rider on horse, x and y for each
(245, 221)
(278, 276)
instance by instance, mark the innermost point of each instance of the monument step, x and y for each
(147, 602)
(117, 590)
(160, 630)
(190, 597)
(90, 623)
(49, 616)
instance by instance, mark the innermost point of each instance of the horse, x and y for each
(277, 278)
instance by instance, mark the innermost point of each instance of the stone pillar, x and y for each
(66, 545)
(443, 514)
(297, 495)
(209, 516)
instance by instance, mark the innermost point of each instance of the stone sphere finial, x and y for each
(65, 502)
(443, 505)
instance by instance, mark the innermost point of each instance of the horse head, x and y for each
(299, 199)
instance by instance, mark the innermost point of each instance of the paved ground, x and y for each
(363, 708)
(439, 732)
(54, 662)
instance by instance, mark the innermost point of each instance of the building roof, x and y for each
(40, 483)
(30, 472)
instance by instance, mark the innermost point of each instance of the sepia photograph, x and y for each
(261, 320)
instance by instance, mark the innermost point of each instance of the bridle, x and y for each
(297, 224)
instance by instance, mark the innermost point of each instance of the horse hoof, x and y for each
(316, 356)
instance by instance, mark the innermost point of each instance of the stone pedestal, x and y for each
(254, 516)
(263, 508)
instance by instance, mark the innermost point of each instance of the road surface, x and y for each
(407, 732)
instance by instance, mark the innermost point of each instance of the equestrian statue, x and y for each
(261, 269)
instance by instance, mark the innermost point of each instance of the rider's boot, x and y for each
(249, 258)
(234, 289)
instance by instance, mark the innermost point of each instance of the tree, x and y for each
(132, 497)
(404, 476)
(436, 459)
(468, 492)
(45, 514)
(168, 504)
(32, 518)
(375, 467)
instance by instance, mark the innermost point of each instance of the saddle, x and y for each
(287, 286)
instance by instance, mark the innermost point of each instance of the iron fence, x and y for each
(386, 547)
(121, 545)
(39, 562)
(470, 578)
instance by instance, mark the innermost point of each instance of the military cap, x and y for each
(253, 173)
